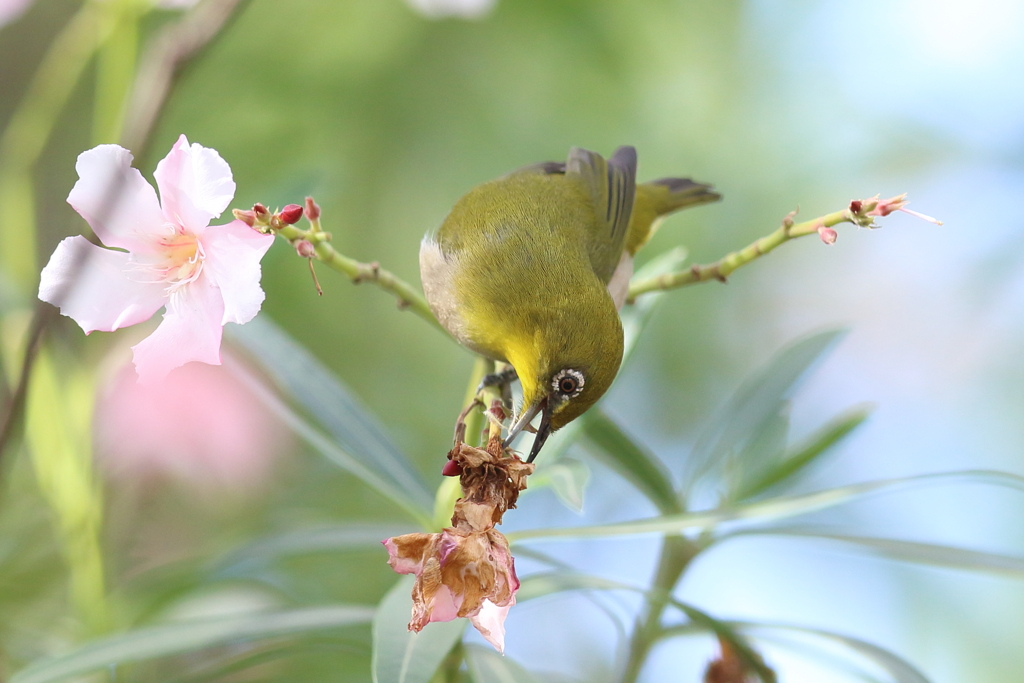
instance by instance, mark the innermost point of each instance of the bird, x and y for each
(532, 268)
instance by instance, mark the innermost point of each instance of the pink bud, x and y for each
(451, 469)
(828, 235)
(291, 214)
(305, 249)
(312, 209)
(261, 212)
(247, 217)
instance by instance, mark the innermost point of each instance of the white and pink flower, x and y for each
(168, 255)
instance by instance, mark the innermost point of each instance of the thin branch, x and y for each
(860, 212)
(169, 53)
(408, 296)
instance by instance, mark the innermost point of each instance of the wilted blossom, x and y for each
(204, 276)
(467, 570)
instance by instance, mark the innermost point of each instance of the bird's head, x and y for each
(566, 365)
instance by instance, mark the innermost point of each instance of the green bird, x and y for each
(531, 269)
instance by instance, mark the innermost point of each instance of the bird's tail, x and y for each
(659, 198)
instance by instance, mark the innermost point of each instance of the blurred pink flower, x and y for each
(199, 424)
(12, 9)
(459, 573)
(203, 275)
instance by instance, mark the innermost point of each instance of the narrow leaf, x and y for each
(818, 444)
(487, 666)
(401, 656)
(727, 632)
(897, 667)
(386, 486)
(912, 551)
(187, 636)
(768, 510)
(340, 538)
(320, 392)
(753, 403)
(635, 464)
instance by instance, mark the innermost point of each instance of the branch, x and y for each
(315, 243)
(860, 212)
(170, 52)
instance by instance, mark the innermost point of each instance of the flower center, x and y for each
(177, 261)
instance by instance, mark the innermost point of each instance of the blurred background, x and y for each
(387, 112)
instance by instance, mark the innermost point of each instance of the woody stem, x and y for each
(722, 268)
(408, 296)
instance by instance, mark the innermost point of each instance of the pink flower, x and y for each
(459, 573)
(203, 276)
(231, 443)
(883, 207)
(12, 9)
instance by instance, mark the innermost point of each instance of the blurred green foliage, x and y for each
(386, 118)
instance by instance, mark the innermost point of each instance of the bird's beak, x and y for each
(542, 406)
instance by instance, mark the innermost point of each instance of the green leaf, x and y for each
(639, 467)
(912, 551)
(733, 433)
(897, 667)
(340, 538)
(401, 656)
(487, 666)
(386, 486)
(324, 396)
(727, 632)
(818, 444)
(567, 477)
(187, 636)
(768, 510)
(550, 583)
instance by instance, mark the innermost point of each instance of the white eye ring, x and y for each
(568, 383)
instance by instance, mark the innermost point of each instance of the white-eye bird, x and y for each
(531, 269)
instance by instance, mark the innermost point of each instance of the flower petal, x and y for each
(115, 199)
(91, 285)
(233, 254)
(191, 330)
(195, 185)
(490, 621)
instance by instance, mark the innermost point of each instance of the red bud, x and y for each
(247, 217)
(856, 206)
(291, 214)
(451, 469)
(261, 212)
(312, 209)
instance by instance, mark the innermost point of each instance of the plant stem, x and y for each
(676, 554)
(722, 268)
(407, 295)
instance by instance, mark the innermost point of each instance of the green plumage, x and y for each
(519, 270)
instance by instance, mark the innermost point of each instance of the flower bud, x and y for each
(246, 216)
(261, 212)
(291, 214)
(856, 206)
(305, 249)
(312, 209)
(451, 469)
(827, 235)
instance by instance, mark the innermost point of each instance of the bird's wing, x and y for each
(612, 188)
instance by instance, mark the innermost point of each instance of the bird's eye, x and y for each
(568, 383)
